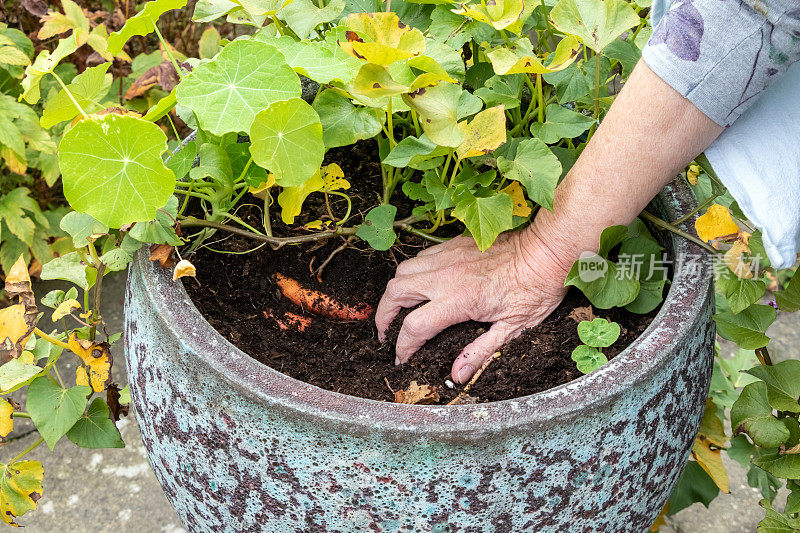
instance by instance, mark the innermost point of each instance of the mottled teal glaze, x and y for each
(238, 446)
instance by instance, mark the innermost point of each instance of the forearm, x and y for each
(650, 133)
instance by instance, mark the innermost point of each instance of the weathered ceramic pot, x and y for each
(238, 446)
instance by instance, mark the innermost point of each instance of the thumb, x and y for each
(480, 350)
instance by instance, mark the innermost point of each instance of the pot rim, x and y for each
(688, 293)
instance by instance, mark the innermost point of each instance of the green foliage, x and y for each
(378, 227)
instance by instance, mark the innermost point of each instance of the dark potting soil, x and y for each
(239, 296)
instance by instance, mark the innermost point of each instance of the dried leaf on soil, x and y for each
(579, 314)
(183, 268)
(417, 394)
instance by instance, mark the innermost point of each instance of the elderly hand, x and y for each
(514, 284)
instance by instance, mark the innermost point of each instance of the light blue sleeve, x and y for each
(722, 54)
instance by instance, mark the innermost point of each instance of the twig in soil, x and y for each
(387, 384)
(483, 367)
(331, 256)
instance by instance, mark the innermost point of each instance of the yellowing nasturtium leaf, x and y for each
(333, 178)
(437, 108)
(20, 489)
(287, 140)
(716, 222)
(291, 198)
(97, 360)
(6, 422)
(520, 57)
(500, 14)
(112, 169)
(521, 207)
(381, 38)
(484, 133)
(375, 81)
(86, 88)
(596, 22)
(45, 63)
(142, 23)
(245, 78)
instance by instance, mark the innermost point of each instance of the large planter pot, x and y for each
(238, 446)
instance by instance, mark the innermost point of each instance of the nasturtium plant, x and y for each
(474, 111)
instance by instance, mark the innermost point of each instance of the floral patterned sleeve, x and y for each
(721, 54)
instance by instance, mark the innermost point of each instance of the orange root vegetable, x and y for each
(290, 321)
(320, 303)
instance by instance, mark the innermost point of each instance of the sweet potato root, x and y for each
(321, 304)
(290, 320)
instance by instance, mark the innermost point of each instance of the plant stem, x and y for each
(167, 50)
(697, 209)
(98, 284)
(669, 227)
(50, 339)
(267, 220)
(389, 124)
(596, 88)
(189, 222)
(539, 97)
(20, 415)
(72, 98)
(27, 450)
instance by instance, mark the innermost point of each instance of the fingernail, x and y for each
(396, 361)
(465, 373)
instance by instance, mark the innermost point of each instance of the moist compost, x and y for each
(238, 295)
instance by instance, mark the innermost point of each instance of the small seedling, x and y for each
(595, 335)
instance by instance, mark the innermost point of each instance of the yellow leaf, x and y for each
(417, 394)
(182, 269)
(65, 308)
(97, 362)
(692, 174)
(333, 178)
(261, 190)
(733, 259)
(14, 330)
(715, 223)
(18, 275)
(707, 448)
(54, 23)
(660, 519)
(291, 198)
(81, 377)
(484, 133)
(520, 58)
(20, 489)
(6, 422)
(500, 14)
(381, 38)
(521, 207)
(15, 162)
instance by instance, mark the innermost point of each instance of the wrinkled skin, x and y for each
(515, 284)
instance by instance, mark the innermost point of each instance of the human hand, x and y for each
(514, 284)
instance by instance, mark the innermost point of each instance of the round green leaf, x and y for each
(287, 140)
(111, 168)
(599, 333)
(588, 359)
(246, 77)
(342, 122)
